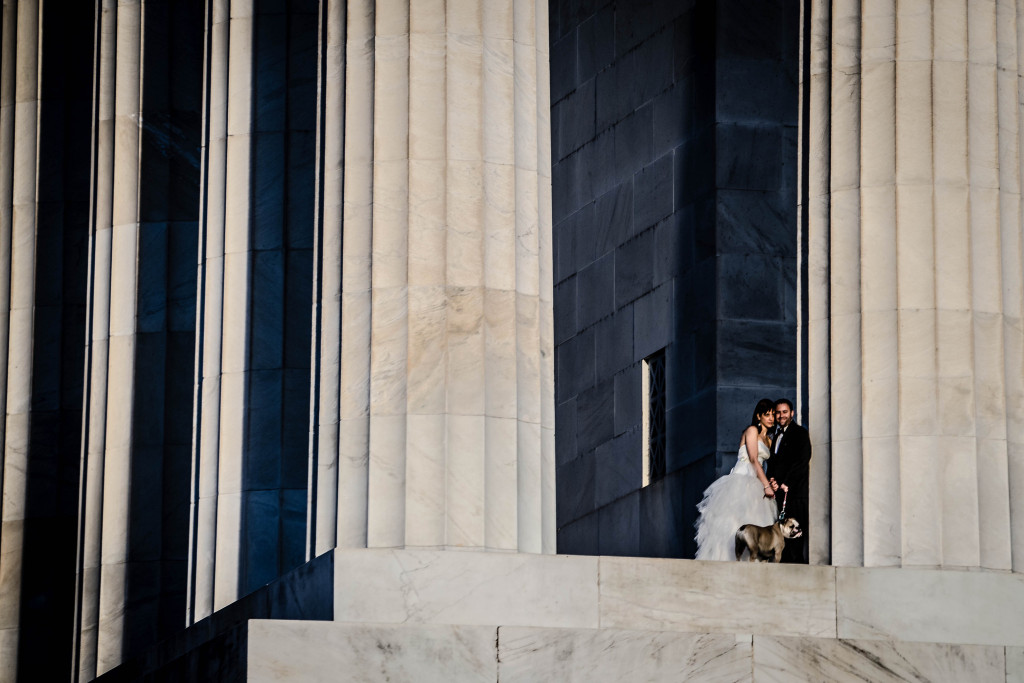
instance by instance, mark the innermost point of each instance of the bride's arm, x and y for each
(750, 441)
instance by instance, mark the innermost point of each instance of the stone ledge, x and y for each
(456, 587)
(930, 605)
(717, 597)
(477, 588)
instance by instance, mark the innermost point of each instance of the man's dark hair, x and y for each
(786, 401)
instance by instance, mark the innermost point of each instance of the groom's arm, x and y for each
(792, 468)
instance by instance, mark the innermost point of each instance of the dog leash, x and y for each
(782, 513)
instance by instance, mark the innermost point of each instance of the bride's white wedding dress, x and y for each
(730, 502)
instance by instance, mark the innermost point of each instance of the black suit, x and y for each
(790, 466)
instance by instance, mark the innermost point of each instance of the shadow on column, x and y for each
(166, 318)
(62, 224)
(282, 203)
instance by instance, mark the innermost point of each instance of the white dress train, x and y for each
(730, 502)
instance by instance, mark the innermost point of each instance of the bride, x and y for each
(744, 496)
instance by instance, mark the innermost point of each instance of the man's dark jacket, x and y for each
(790, 466)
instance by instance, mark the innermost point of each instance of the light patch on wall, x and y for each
(652, 380)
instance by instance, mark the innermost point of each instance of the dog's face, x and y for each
(791, 528)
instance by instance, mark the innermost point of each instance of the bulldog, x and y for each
(765, 543)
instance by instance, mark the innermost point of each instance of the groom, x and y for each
(789, 465)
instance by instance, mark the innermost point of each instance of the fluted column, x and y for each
(121, 333)
(86, 634)
(924, 370)
(225, 323)
(20, 163)
(816, 54)
(45, 102)
(202, 545)
(140, 331)
(435, 415)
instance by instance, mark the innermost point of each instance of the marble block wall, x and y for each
(433, 409)
(916, 354)
(316, 651)
(489, 616)
(674, 147)
(45, 104)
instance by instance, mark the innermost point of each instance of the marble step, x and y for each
(477, 588)
(333, 651)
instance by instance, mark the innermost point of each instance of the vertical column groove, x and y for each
(124, 231)
(955, 391)
(426, 345)
(546, 293)
(22, 205)
(844, 292)
(503, 244)
(328, 303)
(878, 289)
(529, 311)
(465, 467)
(209, 327)
(389, 278)
(985, 285)
(1013, 323)
(97, 344)
(357, 236)
(816, 48)
(237, 266)
(921, 489)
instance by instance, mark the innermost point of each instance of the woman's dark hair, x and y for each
(765, 405)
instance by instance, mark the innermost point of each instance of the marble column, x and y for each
(86, 632)
(435, 402)
(20, 119)
(815, 67)
(920, 253)
(121, 272)
(44, 180)
(141, 331)
(252, 377)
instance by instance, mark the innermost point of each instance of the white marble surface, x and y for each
(453, 587)
(819, 659)
(934, 606)
(315, 651)
(729, 597)
(325, 651)
(582, 592)
(592, 656)
(1014, 664)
